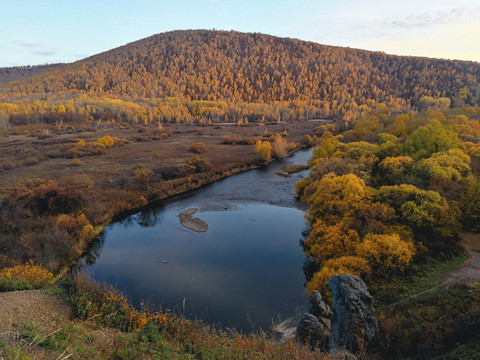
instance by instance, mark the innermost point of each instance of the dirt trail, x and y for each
(50, 314)
(23, 306)
(470, 270)
(19, 308)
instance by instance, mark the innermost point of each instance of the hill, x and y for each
(304, 79)
(8, 74)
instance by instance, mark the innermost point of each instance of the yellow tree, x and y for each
(386, 252)
(279, 146)
(329, 241)
(264, 148)
(353, 265)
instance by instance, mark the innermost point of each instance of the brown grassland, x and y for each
(26, 156)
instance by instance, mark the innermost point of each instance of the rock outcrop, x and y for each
(313, 333)
(353, 321)
(314, 328)
(347, 330)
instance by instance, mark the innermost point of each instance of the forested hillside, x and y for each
(8, 74)
(218, 76)
(389, 210)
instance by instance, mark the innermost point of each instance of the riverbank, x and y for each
(38, 324)
(247, 215)
(142, 165)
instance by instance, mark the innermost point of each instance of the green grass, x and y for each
(421, 318)
(419, 278)
(432, 324)
(11, 285)
(468, 351)
(12, 352)
(73, 340)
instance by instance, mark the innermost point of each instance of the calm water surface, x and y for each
(244, 272)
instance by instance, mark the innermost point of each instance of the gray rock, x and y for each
(318, 307)
(353, 321)
(342, 354)
(312, 332)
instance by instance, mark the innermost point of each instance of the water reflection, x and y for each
(244, 272)
(94, 250)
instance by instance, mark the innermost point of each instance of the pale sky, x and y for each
(49, 31)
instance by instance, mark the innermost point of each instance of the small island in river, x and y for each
(192, 223)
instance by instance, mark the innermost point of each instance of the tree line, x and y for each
(378, 206)
(236, 75)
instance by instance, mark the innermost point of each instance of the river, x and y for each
(244, 272)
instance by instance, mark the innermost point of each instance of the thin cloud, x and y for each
(393, 29)
(46, 52)
(36, 49)
(451, 16)
(29, 45)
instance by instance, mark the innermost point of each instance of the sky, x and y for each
(50, 31)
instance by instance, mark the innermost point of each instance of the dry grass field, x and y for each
(49, 156)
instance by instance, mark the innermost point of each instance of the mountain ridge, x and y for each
(211, 65)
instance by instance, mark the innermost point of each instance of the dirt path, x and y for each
(24, 308)
(49, 314)
(470, 270)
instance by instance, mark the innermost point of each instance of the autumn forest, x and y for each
(394, 180)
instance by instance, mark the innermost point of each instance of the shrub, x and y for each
(198, 148)
(76, 162)
(30, 161)
(109, 306)
(36, 275)
(47, 197)
(239, 141)
(12, 285)
(54, 198)
(200, 163)
(107, 141)
(66, 222)
(142, 176)
(307, 140)
(7, 166)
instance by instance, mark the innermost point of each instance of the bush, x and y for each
(107, 141)
(7, 166)
(30, 161)
(76, 162)
(35, 275)
(198, 148)
(12, 285)
(47, 197)
(109, 306)
(428, 325)
(54, 154)
(239, 141)
(143, 176)
(199, 163)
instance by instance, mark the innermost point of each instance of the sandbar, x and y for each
(192, 223)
